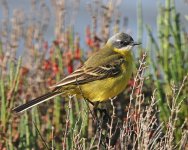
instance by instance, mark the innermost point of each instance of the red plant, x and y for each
(55, 68)
(89, 39)
(46, 65)
(69, 62)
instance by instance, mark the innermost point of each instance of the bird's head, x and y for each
(122, 42)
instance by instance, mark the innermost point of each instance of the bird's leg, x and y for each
(103, 114)
(101, 111)
(91, 102)
(106, 116)
(95, 110)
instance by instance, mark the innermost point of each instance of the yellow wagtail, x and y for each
(104, 75)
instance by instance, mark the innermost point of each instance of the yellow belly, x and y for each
(102, 90)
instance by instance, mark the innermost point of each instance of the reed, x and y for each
(169, 65)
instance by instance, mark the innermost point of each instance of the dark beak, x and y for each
(136, 43)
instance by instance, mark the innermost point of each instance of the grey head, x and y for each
(122, 40)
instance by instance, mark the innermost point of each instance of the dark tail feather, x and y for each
(36, 101)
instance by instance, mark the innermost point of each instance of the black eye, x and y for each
(121, 43)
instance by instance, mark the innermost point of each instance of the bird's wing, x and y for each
(88, 74)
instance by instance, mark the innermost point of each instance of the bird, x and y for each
(102, 76)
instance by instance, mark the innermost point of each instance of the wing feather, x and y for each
(85, 75)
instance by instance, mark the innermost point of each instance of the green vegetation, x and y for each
(151, 114)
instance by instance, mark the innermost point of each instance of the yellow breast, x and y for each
(102, 90)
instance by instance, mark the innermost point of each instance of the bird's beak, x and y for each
(136, 43)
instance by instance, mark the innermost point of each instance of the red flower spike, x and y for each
(89, 42)
(70, 68)
(46, 65)
(77, 54)
(55, 68)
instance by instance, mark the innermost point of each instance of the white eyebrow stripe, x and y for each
(118, 40)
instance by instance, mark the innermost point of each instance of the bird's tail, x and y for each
(37, 101)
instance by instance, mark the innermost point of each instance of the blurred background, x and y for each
(43, 41)
(81, 17)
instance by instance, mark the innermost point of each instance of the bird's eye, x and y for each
(121, 42)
